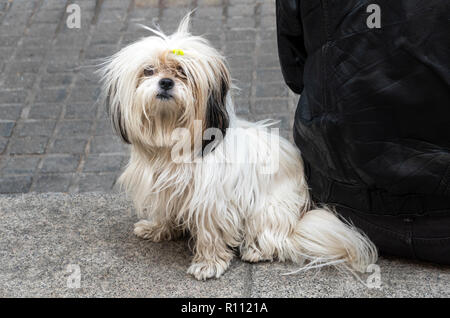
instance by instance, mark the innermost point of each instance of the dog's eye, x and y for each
(181, 71)
(149, 72)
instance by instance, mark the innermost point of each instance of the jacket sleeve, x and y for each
(291, 49)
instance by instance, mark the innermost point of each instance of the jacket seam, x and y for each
(326, 18)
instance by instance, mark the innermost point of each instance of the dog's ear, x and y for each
(216, 109)
(113, 110)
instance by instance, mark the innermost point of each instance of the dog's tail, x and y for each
(323, 239)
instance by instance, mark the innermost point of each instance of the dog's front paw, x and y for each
(151, 231)
(205, 270)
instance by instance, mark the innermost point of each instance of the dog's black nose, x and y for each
(166, 84)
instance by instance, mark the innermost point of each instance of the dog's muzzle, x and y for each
(165, 85)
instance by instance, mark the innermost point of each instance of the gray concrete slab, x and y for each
(398, 278)
(41, 234)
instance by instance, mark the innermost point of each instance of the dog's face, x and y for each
(161, 83)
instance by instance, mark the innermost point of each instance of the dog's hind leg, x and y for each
(266, 234)
(156, 231)
(253, 254)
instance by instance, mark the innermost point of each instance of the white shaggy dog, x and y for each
(243, 191)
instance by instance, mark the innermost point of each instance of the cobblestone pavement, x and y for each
(54, 134)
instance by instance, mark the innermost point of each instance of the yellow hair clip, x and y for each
(178, 52)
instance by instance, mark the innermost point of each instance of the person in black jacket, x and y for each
(373, 120)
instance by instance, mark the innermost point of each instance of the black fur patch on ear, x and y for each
(116, 120)
(216, 114)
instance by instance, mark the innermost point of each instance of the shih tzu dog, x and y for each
(234, 186)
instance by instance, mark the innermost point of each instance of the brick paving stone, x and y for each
(51, 95)
(9, 40)
(80, 111)
(241, 35)
(56, 80)
(271, 89)
(20, 165)
(35, 128)
(239, 48)
(60, 163)
(267, 61)
(75, 128)
(97, 182)
(52, 183)
(85, 94)
(20, 80)
(68, 145)
(107, 144)
(6, 128)
(27, 145)
(12, 96)
(19, 184)
(45, 111)
(266, 105)
(104, 163)
(104, 127)
(269, 76)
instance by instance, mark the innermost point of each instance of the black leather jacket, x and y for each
(373, 121)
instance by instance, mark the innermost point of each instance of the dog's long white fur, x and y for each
(224, 200)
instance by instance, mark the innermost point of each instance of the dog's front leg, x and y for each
(212, 255)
